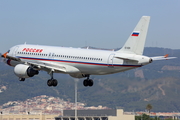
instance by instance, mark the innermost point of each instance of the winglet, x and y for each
(165, 56)
(4, 55)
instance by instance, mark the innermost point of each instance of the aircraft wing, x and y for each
(46, 66)
(10, 57)
(165, 57)
(49, 66)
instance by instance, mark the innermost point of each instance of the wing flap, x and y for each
(48, 66)
(45, 66)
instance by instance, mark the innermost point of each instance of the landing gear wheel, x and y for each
(49, 82)
(54, 82)
(85, 83)
(21, 79)
(90, 82)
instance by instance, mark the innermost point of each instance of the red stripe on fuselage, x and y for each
(87, 63)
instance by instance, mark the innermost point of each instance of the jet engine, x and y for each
(24, 71)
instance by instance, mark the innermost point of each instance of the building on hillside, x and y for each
(96, 115)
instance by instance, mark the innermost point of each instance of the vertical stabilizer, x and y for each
(136, 41)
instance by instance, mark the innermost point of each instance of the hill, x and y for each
(157, 83)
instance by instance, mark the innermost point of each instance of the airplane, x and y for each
(28, 59)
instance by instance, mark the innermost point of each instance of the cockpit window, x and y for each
(8, 51)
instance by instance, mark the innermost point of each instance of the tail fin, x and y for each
(136, 41)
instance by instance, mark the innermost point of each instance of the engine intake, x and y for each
(24, 71)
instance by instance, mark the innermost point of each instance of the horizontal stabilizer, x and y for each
(126, 58)
(165, 57)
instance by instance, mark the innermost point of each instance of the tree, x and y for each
(149, 107)
(145, 117)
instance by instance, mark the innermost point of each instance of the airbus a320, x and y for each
(28, 59)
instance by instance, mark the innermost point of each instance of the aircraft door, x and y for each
(110, 60)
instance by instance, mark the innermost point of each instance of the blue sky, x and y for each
(78, 23)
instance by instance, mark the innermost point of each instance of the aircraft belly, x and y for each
(99, 70)
(102, 70)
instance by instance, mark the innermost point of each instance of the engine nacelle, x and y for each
(24, 71)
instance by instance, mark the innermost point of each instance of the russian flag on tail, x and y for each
(135, 34)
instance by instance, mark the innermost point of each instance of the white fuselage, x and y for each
(88, 61)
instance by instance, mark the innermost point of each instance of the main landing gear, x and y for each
(88, 82)
(52, 81)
